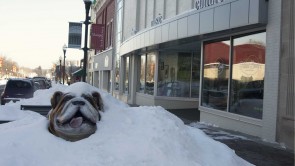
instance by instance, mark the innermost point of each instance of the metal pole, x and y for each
(59, 70)
(63, 76)
(85, 49)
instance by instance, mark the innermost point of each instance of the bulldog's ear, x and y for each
(98, 100)
(55, 99)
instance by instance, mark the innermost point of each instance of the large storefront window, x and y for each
(248, 75)
(216, 75)
(177, 74)
(244, 75)
(147, 73)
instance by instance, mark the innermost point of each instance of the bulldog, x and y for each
(74, 115)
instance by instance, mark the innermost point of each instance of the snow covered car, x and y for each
(17, 89)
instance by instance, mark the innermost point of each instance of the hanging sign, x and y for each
(75, 35)
(97, 36)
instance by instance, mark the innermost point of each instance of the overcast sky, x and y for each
(33, 32)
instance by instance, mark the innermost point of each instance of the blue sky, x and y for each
(33, 32)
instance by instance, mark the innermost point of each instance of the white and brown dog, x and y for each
(74, 114)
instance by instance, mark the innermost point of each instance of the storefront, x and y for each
(162, 63)
(100, 70)
(220, 57)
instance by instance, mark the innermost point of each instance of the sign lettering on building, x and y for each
(200, 4)
(75, 35)
(157, 20)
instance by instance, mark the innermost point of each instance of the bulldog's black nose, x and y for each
(78, 102)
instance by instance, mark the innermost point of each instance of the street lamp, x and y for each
(60, 69)
(64, 48)
(85, 49)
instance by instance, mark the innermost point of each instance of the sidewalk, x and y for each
(252, 149)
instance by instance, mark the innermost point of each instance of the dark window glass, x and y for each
(248, 69)
(195, 75)
(216, 75)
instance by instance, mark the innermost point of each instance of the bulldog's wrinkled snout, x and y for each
(78, 102)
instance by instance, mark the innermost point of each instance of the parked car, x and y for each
(17, 89)
(43, 82)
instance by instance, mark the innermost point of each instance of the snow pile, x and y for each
(131, 136)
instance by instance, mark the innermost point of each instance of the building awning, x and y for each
(78, 73)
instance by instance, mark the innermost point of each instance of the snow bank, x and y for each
(131, 136)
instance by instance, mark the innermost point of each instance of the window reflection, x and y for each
(178, 74)
(248, 75)
(147, 73)
(216, 75)
(126, 75)
(150, 73)
(142, 73)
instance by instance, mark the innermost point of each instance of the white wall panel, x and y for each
(159, 7)
(239, 13)
(142, 14)
(147, 38)
(165, 32)
(184, 5)
(152, 36)
(182, 27)
(221, 17)
(158, 35)
(206, 21)
(150, 12)
(193, 24)
(129, 18)
(170, 9)
(141, 40)
(173, 30)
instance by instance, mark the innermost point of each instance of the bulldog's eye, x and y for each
(89, 99)
(67, 98)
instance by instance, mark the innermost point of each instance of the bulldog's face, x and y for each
(73, 117)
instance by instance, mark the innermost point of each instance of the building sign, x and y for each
(97, 36)
(200, 4)
(75, 35)
(157, 20)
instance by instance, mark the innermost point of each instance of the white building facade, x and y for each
(221, 57)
